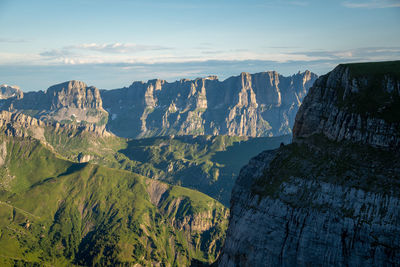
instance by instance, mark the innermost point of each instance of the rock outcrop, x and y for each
(7, 91)
(21, 125)
(17, 124)
(262, 104)
(332, 197)
(71, 101)
(344, 105)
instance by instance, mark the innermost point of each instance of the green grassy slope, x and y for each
(372, 98)
(209, 164)
(375, 68)
(101, 149)
(339, 163)
(56, 212)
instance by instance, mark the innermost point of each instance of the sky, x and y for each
(111, 43)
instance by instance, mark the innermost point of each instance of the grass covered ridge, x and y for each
(57, 212)
(378, 92)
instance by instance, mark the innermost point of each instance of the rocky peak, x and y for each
(8, 91)
(157, 83)
(261, 104)
(212, 77)
(75, 94)
(354, 102)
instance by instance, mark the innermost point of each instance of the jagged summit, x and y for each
(306, 73)
(10, 91)
(10, 86)
(74, 94)
(71, 101)
(261, 104)
(70, 84)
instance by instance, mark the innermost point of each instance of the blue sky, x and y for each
(111, 43)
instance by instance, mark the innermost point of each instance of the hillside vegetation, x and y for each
(209, 164)
(57, 212)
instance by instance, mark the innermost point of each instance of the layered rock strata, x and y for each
(72, 101)
(21, 125)
(332, 197)
(261, 104)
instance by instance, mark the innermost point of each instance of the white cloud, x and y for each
(150, 54)
(118, 48)
(372, 4)
(357, 54)
(88, 54)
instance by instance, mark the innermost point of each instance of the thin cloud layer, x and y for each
(359, 54)
(152, 54)
(12, 40)
(117, 48)
(372, 4)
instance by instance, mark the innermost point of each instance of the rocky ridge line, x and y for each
(72, 101)
(261, 104)
(21, 125)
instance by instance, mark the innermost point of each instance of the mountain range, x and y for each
(261, 104)
(58, 145)
(93, 177)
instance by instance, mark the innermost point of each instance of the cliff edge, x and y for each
(332, 196)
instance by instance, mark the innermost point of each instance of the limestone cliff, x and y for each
(20, 125)
(332, 197)
(59, 137)
(262, 104)
(71, 101)
(348, 105)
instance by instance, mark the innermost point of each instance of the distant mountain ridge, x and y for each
(261, 104)
(71, 101)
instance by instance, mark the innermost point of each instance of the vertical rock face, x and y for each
(262, 104)
(75, 101)
(74, 94)
(17, 124)
(71, 101)
(346, 105)
(332, 197)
